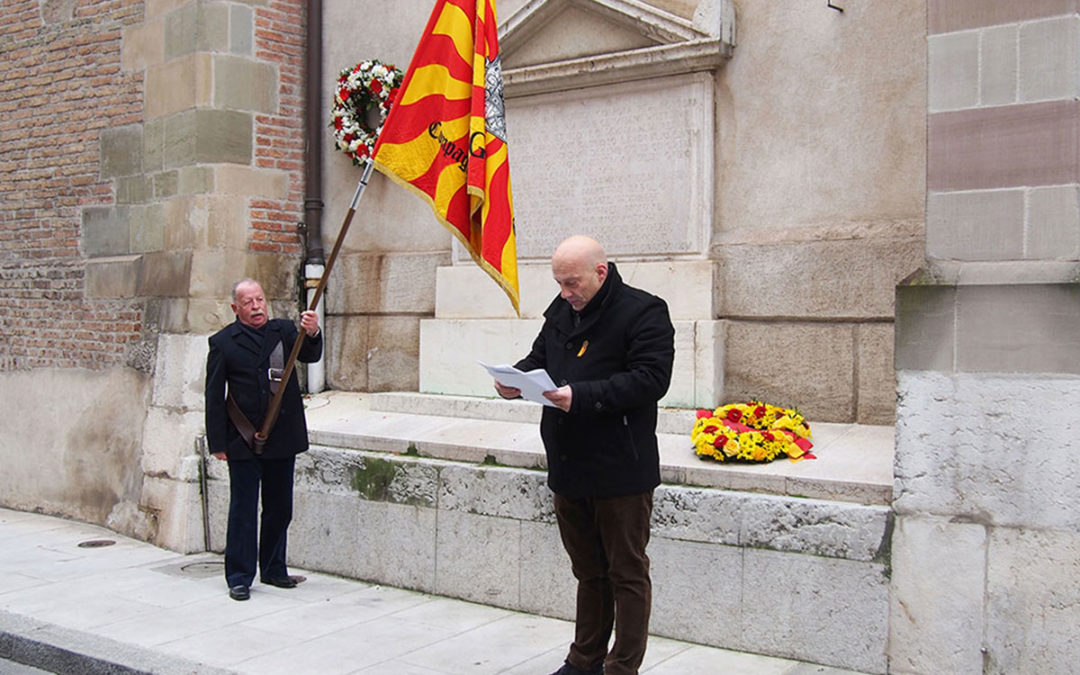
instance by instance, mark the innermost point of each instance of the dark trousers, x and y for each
(244, 546)
(606, 539)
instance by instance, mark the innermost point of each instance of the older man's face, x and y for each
(250, 305)
(578, 282)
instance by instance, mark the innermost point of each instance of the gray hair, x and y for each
(241, 282)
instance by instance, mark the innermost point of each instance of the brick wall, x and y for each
(279, 139)
(60, 86)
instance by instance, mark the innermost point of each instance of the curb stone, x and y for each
(63, 650)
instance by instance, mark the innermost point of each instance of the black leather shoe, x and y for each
(282, 582)
(239, 592)
(568, 669)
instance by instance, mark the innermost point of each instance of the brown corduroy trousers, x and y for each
(606, 538)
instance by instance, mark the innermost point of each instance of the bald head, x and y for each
(580, 267)
(579, 249)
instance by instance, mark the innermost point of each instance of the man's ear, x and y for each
(601, 271)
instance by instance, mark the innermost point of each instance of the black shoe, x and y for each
(239, 592)
(282, 582)
(568, 669)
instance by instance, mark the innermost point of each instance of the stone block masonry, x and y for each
(447, 495)
(777, 575)
(985, 542)
(85, 173)
(150, 154)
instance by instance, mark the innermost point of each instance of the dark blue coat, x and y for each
(617, 361)
(236, 360)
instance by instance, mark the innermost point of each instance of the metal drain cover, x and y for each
(96, 543)
(203, 570)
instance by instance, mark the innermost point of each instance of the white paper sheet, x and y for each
(532, 384)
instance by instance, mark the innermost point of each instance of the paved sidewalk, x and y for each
(129, 607)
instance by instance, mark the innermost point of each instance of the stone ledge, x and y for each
(817, 527)
(487, 534)
(855, 462)
(960, 328)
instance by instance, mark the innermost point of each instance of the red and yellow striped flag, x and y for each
(445, 136)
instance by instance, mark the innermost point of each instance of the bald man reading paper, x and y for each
(609, 348)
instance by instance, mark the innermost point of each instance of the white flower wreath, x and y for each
(364, 92)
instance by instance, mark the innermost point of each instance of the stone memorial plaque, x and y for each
(630, 164)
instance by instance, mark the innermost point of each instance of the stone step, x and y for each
(669, 420)
(854, 462)
(446, 495)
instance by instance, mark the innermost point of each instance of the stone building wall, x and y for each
(151, 152)
(782, 189)
(65, 357)
(151, 155)
(987, 536)
(121, 241)
(767, 574)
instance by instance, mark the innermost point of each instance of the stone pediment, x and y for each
(555, 45)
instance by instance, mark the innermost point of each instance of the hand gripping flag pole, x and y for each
(275, 403)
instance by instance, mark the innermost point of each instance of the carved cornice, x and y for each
(650, 22)
(681, 46)
(637, 64)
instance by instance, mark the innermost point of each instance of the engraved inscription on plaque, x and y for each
(630, 164)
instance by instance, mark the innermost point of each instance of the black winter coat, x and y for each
(617, 361)
(234, 359)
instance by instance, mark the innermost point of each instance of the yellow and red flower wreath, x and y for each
(751, 432)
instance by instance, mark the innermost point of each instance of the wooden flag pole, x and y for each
(275, 403)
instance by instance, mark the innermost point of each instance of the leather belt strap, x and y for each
(239, 419)
(277, 367)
